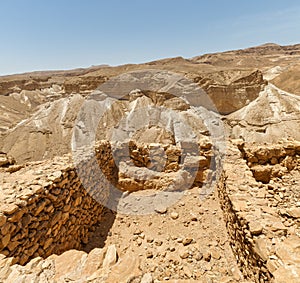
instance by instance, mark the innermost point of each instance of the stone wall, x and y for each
(262, 219)
(44, 210)
(156, 166)
(48, 208)
(252, 266)
(51, 206)
(273, 161)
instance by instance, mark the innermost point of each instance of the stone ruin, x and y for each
(259, 195)
(45, 209)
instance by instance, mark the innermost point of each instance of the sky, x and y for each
(66, 34)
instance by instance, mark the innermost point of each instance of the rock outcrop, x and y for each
(232, 90)
(6, 160)
(288, 79)
(273, 115)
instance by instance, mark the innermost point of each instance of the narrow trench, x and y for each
(203, 220)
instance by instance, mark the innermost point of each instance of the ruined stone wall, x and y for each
(273, 161)
(155, 166)
(51, 206)
(265, 241)
(252, 265)
(46, 207)
(44, 210)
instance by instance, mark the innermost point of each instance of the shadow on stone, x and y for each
(102, 230)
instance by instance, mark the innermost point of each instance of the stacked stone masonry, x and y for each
(47, 209)
(263, 214)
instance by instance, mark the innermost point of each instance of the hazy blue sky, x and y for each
(62, 34)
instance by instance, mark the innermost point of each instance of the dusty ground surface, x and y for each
(188, 241)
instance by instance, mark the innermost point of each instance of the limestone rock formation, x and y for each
(288, 79)
(5, 160)
(271, 116)
(232, 90)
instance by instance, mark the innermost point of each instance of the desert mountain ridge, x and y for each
(266, 48)
(232, 79)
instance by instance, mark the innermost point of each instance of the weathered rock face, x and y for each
(5, 160)
(231, 79)
(21, 95)
(263, 57)
(10, 85)
(232, 90)
(83, 84)
(289, 79)
(48, 131)
(17, 106)
(273, 115)
(67, 81)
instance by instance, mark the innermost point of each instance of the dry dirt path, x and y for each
(188, 241)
